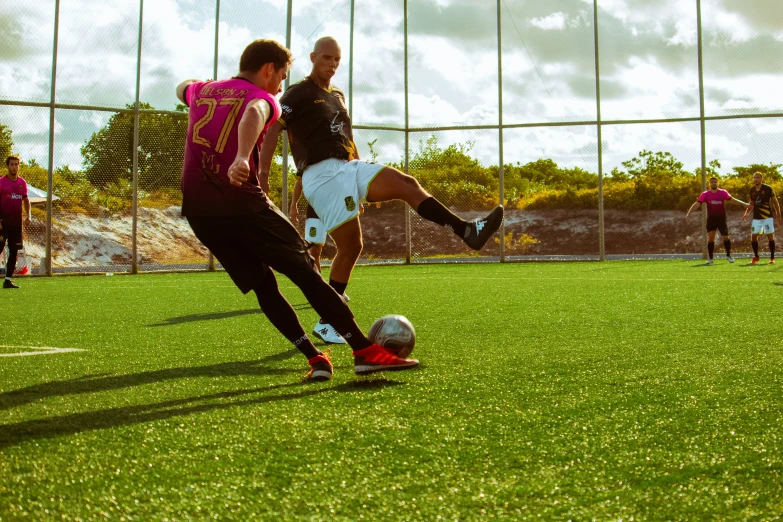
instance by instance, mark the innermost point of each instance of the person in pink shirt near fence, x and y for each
(13, 198)
(715, 199)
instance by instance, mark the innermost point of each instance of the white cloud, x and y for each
(569, 147)
(725, 148)
(730, 26)
(685, 34)
(652, 91)
(758, 92)
(95, 118)
(648, 59)
(623, 142)
(421, 107)
(556, 21)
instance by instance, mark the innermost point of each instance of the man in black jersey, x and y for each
(763, 202)
(335, 182)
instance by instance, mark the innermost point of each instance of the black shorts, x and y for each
(12, 236)
(717, 222)
(249, 245)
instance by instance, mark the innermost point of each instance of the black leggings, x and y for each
(13, 251)
(251, 245)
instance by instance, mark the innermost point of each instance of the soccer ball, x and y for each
(395, 333)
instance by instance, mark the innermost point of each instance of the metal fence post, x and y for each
(211, 265)
(501, 176)
(702, 130)
(284, 180)
(350, 62)
(408, 241)
(601, 230)
(134, 233)
(47, 262)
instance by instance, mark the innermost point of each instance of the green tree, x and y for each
(770, 172)
(652, 166)
(6, 142)
(108, 154)
(453, 176)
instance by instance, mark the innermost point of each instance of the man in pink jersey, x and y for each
(715, 200)
(13, 196)
(226, 205)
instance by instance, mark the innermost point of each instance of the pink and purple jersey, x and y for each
(715, 201)
(216, 108)
(12, 193)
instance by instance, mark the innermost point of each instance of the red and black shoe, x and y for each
(320, 368)
(754, 260)
(376, 358)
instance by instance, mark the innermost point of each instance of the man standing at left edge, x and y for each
(226, 205)
(13, 196)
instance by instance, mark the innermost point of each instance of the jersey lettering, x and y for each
(228, 123)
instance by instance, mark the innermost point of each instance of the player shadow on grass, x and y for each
(104, 382)
(12, 434)
(219, 315)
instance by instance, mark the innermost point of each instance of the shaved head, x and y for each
(324, 41)
(325, 57)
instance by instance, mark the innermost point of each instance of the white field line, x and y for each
(37, 350)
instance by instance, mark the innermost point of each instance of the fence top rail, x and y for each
(399, 128)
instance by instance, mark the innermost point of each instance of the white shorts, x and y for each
(335, 188)
(315, 231)
(762, 226)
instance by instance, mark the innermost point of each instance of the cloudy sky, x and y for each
(647, 49)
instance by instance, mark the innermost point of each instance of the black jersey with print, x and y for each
(762, 208)
(318, 124)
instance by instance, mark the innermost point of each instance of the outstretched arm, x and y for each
(691, 209)
(181, 90)
(268, 152)
(293, 210)
(27, 215)
(776, 207)
(748, 211)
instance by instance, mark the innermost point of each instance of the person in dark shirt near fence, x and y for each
(763, 203)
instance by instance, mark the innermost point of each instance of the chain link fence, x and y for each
(595, 128)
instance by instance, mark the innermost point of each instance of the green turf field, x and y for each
(617, 390)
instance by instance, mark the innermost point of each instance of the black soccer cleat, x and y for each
(481, 230)
(9, 284)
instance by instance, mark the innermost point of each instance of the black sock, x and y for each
(433, 210)
(280, 313)
(326, 303)
(338, 287)
(727, 246)
(772, 249)
(711, 248)
(755, 245)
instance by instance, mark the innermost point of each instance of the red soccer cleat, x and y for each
(754, 260)
(771, 261)
(376, 358)
(320, 368)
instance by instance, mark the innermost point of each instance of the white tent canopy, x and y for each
(36, 195)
